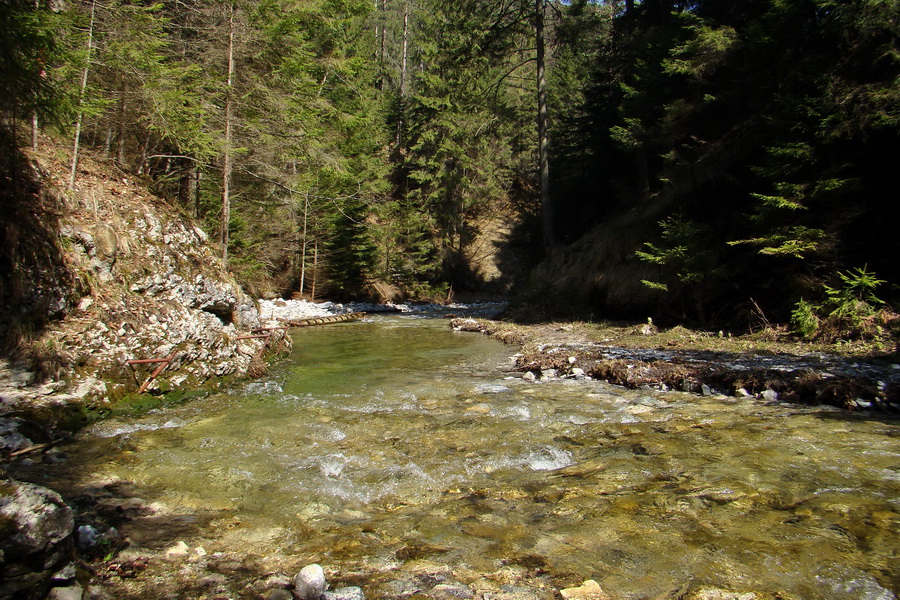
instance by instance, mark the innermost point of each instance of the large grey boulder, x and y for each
(35, 539)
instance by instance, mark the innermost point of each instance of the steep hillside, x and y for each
(105, 274)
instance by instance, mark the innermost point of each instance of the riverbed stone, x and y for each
(519, 592)
(309, 583)
(37, 538)
(72, 592)
(87, 537)
(711, 593)
(179, 550)
(589, 590)
(769, 395)
(451, 591)
(65, 575)
(346, 593)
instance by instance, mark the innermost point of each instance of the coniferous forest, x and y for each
(707, 162)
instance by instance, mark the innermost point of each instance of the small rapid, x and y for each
(396, 432)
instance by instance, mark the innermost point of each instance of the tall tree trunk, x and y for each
(107, 140)
(34, 130)
(82, 91)
(120, 127)
(34, 114)
(404, 53)
(315, 269)
(227, 158)
(197, 191)
(543, 126)
(405, 50)
(382, 41)
(143, 151)
(305, 244)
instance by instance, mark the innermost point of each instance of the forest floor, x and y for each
(768, 364)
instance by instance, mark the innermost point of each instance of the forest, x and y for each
(715, 163)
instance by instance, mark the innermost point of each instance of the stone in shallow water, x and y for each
(589, 590)
(346, 593)
(309, 583)
(451, 591)
(769, 395)
(179, 550)
(720, 594)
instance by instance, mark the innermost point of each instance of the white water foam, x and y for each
(110, 430)
(263, 387)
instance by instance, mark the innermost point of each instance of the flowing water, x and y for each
(396, 438)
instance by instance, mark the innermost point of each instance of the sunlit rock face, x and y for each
(119, 275)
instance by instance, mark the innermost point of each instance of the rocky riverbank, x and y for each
(562, 350)
(105, 275)
(95, 279)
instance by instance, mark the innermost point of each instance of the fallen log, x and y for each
(324, 320)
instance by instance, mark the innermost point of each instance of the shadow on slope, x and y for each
(36, 283)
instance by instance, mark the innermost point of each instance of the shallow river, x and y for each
(395, 439)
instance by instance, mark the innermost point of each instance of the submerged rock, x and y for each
(346, 593)
(589, 590)
(710, 593)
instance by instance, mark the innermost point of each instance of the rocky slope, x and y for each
(105, 274)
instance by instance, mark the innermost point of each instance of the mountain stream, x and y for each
(396, 439)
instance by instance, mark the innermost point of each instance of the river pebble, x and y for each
(589, 590)
(310, 583)
(346, 593)
(73, 592)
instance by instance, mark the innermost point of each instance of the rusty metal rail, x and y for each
(264, 336)
(163, 363)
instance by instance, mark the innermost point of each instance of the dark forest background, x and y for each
(710, 162)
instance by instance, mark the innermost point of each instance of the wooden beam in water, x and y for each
(326, 320)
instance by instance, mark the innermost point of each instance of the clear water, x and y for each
(396, 438)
